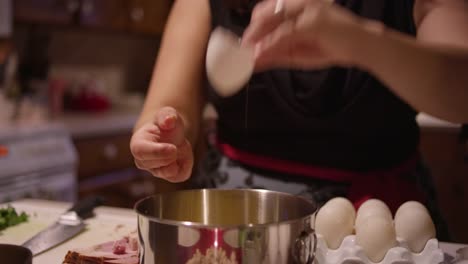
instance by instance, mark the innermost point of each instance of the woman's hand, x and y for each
(303, 34)
(161, 148)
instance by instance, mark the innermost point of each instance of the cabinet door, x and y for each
(101, 155)
(105, 14)
(445, 155)
(148, 16)
(45, 11)
(125, 188)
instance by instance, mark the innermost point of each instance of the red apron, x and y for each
(391, 186)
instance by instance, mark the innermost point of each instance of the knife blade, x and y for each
(67, 226)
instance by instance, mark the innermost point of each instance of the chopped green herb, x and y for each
(9, 217)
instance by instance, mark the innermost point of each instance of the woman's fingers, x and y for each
(147, 150)
(176, 168)
(297, 43)
(281, 38)
(286, 46)
(301, 57)
(266, 17)
(263, 21)
(275, 51)
(171, 125)
(161, 148)
(174, 172)
(166, 118)
(150, 164)
(169, 173)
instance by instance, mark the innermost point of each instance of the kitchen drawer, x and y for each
(124, 188)
(103, 154)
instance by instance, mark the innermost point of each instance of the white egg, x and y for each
(343, 203)
(335, 221)
(372, 208)
(411, 205)
(415, 226)
(229, 65)
(376, 236)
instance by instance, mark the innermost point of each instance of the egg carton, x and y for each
(351, 253)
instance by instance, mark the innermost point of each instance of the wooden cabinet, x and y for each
(45, 11)
(124, 188)
(98, 155)
(136, 16)
(106, 14)
(147, 16)
(106, 168)
(446, 155)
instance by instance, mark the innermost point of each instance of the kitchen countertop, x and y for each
(108, 224)
(77, 124)
(114, 121)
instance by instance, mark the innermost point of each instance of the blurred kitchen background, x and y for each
(73, 75)
(73, 78)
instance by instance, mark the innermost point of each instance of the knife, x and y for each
(67, 226)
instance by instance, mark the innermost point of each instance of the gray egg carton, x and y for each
(351, 253)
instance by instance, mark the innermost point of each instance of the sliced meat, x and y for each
(122, 251)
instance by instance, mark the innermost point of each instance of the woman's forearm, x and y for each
(431, 78)
(178, 75)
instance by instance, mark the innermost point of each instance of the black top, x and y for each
(341, 118)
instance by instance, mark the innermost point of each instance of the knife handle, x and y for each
(84, 208)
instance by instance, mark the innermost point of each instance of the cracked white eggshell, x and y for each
(229, 65)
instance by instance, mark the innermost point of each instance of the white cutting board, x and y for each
(108, 224)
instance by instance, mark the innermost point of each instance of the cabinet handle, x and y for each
(72, 6)
(110, 151)
(464, 141)
(466, 152)
(87, 8)
(137, 14)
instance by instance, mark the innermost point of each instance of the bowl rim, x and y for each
(193, 224)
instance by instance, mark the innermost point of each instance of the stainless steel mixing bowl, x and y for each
(225, 227)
